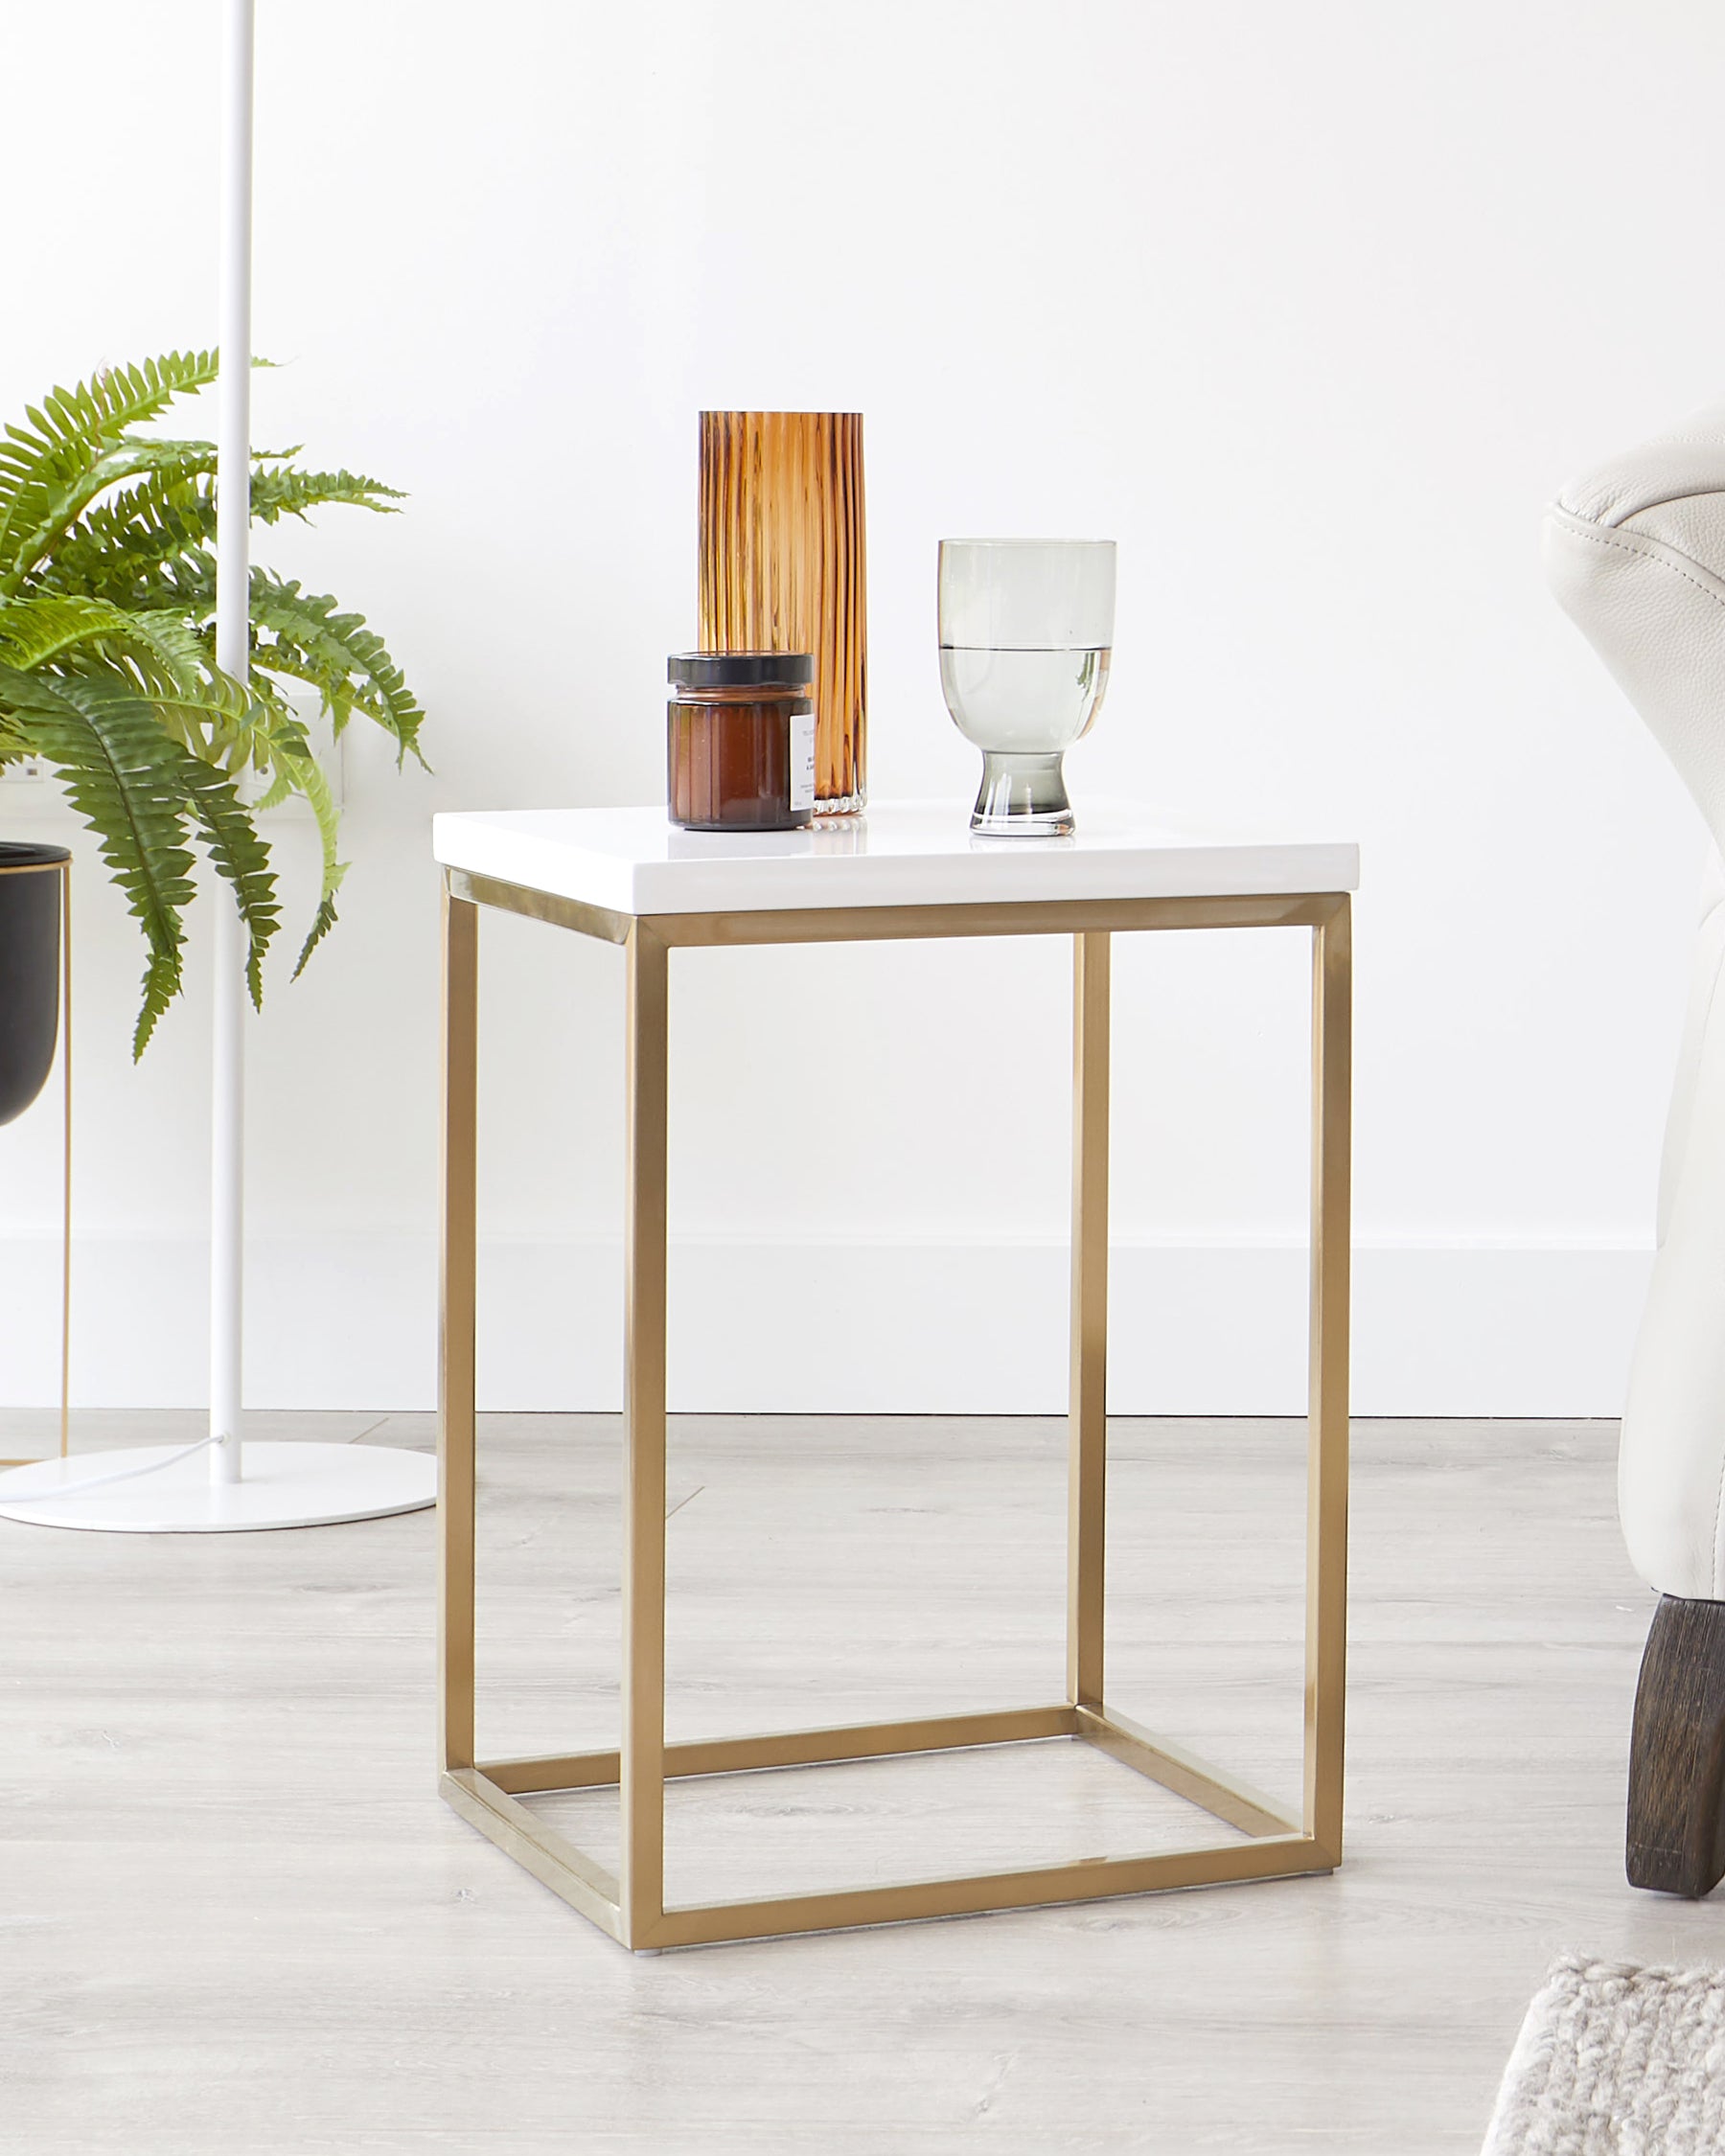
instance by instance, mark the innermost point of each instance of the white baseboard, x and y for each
(820, 1327)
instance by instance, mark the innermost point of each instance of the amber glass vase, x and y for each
(782, 568)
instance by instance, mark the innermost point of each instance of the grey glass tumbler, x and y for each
(1026, 631)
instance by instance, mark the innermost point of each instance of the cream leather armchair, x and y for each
(1636, 553)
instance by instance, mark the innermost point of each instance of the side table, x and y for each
(627, 877)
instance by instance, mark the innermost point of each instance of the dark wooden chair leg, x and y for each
(1676, 1840)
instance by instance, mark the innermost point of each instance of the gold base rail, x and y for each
(489, 1796)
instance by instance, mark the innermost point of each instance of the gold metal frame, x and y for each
(630, 1904)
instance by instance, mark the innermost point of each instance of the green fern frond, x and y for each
(35, 629)
(118, 544)
(51, 510)
(42, 628)
(219, 720)
(349, 662)
(115, 398)
(306, 776)
(76, 424)
(124, 777)
(322, 922)
(121, 543)
(180, 650)
(185, 585)
(275, 494)
(240, 857)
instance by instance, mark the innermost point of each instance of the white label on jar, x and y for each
(803, 761)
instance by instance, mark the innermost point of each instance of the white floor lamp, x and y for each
(176, 1489)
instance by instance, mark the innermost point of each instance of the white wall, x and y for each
(1311, 308)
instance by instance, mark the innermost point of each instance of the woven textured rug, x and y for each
(1615, 2060)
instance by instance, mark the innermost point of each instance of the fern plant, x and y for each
(108, 663)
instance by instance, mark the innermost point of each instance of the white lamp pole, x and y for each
(233, 609)
(168, 1489)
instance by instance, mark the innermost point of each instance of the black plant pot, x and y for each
(30, 971)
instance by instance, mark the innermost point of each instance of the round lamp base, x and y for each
(284, 1485)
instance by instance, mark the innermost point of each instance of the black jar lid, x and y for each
(739, 670)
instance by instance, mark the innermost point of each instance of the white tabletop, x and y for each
(898, 853)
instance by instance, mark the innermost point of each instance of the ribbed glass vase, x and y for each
(783, 568)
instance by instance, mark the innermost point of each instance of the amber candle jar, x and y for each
(740, 740)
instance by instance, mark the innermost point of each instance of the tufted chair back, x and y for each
(1636, 554)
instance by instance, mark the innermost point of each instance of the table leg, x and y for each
(1267, 1841)
(643, 1747)
(456, 1330)
(1326, 1500)
(1087, 1515)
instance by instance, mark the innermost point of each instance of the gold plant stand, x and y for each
(63, 870)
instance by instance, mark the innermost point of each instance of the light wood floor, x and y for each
(235, 1919)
